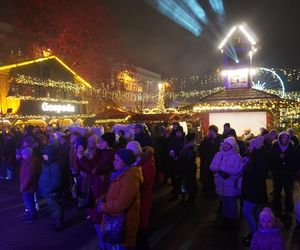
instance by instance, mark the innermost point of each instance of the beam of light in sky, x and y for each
(197, 10)
(176, 13)
(217, 6)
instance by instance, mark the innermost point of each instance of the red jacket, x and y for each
(98, 170)
(148, 170)
(29, 175)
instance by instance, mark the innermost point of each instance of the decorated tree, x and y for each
(81, 33)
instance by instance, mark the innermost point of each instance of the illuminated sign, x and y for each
(58, 108)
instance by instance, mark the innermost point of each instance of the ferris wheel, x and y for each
(268, 80)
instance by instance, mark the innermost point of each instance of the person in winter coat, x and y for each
(227, 168)
(268, 236)
(254, 189)
(207, 150)
(175, 145)
(28, 183)
(283, 170)
(50, 186)
(140, 136)
(123, 196)
(145, 159)
(188, 168)
(98, 169)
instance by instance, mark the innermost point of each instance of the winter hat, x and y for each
(135, 147)
(267, 214)
(110, 138)
(27, 151)
(29, 141)
(126, 156)
(257, 142)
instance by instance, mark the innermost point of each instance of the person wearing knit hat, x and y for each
(268, 236)
(226, 165)
(126, 155)
(266, 219)
(123, 196)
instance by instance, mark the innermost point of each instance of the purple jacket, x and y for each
(267, 240)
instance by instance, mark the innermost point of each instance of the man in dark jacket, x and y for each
(174, 147)
(50, 186)
(207, 150)
(188, 168)
(283, 169)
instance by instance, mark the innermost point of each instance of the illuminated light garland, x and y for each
(49, 116)
(28, 80)
(44, 99)
(113, 120)
(77, 77)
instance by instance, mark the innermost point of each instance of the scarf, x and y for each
(115, 174)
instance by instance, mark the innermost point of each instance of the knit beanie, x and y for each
(126, 156)
(110, 138)
(267, 214)
(135, 147)
(27, 151)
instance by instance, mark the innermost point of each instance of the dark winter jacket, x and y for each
(255, 172)
(51, 178)
(143, 139)
(285, 163)
(208, 148)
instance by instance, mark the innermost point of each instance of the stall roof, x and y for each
(37, 60)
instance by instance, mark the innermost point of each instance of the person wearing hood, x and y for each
(145, 159)
(256, 166)
(188, 169)
(50, 186)
(268, 236)
(123, 196)
(283, 170)
(226, 165)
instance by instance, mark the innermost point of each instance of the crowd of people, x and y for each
(111, 176)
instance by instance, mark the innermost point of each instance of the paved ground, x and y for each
(172, 226)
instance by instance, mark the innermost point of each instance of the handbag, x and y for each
(89, 199)
(113, 228)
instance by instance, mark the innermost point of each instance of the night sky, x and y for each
(155, 42)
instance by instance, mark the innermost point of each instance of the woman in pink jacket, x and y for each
(227, 165)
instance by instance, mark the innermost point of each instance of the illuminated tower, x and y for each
(238, 48)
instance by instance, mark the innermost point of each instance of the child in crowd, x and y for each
(268, 236)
